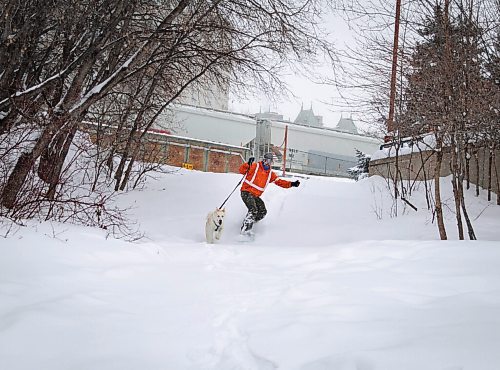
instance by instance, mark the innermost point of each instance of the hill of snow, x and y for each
(332, 281)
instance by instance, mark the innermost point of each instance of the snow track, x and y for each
(327, 284)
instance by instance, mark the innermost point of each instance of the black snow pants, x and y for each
(256, 209)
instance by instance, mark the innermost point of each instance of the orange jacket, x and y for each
(257, 178)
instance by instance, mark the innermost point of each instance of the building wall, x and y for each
(178, 151)
(239, 129)
(323, 140)
(309, 147)
(211, 125)
(215, 98)
(420, 166)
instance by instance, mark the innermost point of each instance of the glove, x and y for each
(251, 160)
(295, 183)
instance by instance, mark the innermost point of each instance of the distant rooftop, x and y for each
(346, 125)
(306, 117)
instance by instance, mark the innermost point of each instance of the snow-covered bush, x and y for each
(360, 171)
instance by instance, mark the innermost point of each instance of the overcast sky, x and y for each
(306, 92)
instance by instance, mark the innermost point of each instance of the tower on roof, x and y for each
(346, 125)
(306, 117)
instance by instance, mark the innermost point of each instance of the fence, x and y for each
(316, 163)
(161, 147)
(164, 148)
(482, 167)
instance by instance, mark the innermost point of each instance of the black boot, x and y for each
(247, 223)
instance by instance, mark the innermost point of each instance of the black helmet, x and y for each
(268, 156)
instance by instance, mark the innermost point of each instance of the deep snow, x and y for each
(331, 281)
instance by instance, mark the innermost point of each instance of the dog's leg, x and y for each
(209, 234)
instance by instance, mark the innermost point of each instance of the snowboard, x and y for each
(247, 236)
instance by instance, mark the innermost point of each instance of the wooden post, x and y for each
(391, 127)
(284, 152)
(206, 159)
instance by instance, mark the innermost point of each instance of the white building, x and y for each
(310, 148)
(197, 95)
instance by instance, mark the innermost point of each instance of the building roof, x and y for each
(346, 125)
(306, 117)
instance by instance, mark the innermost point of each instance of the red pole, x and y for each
(391, 127)
(284, 152)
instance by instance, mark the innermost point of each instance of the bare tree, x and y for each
(129, 59)
(446, 86)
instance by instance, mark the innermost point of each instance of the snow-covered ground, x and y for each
(331, 281)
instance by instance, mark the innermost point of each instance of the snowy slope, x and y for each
(332, 281)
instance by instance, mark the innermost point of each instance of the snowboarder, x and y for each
(258, 175)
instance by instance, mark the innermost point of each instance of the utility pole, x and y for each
(391, 126)
(284, 151)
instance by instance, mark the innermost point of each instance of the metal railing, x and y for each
(315, 164)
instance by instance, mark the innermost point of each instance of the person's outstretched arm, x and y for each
(284, 183)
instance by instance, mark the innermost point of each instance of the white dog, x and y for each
(214, 225)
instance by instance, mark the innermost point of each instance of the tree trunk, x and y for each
(496, 176)
(470, 228)
(437, 191)
(109, 161)
(16, 179)
(59, 163)
(424, 174)
(455, 171)
(24, 165)
(458, 207)
(7, 122)
(490, 160)
(127, 173)
(121, 166)
(396, 171)
(48, 160)
(467, 167)
(476, 156)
